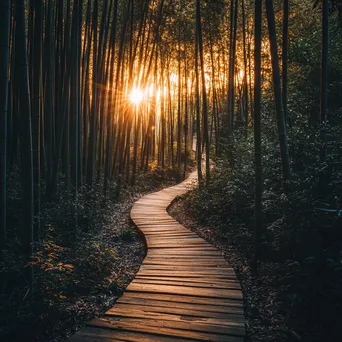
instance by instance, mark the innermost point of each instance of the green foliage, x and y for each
(65, 278)
(63, 274)
(304, 59)
(126, 235)
(302, 231)
(71, 263)
(157, 178)
(78, 269)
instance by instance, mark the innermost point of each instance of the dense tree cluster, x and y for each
(94, 93)
(281, 205)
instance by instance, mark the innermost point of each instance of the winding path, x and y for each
(184, 290)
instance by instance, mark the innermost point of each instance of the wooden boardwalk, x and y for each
(184, 290)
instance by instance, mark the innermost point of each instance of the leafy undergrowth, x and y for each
(79, 273)
(297, 295)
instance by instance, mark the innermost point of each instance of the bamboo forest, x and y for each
(171, 170)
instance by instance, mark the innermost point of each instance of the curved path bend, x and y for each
(183, 291)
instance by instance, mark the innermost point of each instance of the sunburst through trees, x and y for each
(117, 88)
(99, 92)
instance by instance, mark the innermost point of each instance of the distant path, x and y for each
(184, 290)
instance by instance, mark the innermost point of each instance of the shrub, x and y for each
(302, 231)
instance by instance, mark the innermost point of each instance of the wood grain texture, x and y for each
(184, 291)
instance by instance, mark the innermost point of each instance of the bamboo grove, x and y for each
(99, 91)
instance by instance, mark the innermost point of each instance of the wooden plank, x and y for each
(233, 321)
(186, 274)
(177, 242)
(207, 250)
(235, 307)
(191, 291)
(223, 285)
(187, 270)
(170, 223)
(193, 277)
(104, 335)
(209, 280)
(184, 330)
(158, 229)
(160, 238)
(198, 279)
(79, 337)
(192, 268)
(180, 237)
(213, 264)
(170, 235)
(165, 238)
(182, 298)
(174, 251)
(163, 226)
(186, 257)
(163, 233)
(203, 260)
(156, 220)
(238, 317)
(183, 246)
(180, 274)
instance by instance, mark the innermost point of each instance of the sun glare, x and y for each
(241, 75)
(136, 96)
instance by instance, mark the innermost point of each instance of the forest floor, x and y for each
(67, 314)
(121, 235)
(72, 286)
(266, 319)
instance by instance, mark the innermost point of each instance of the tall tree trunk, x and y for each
(48, 59)
(231, 70)
(111, 100)
(204, 93)
(37, 109)
(170, 110)
(285, 54)
(186, 119)
(179, 118)
(137, 122)
(75, 102)
(25, 131)
(324, 60)
(214, 90)
(94, 114)
(278, 93)
(198, 119)
(245, 83)
(75, 92)
(5, 19)
(324, 73)
(162, 119)
(257, 134)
